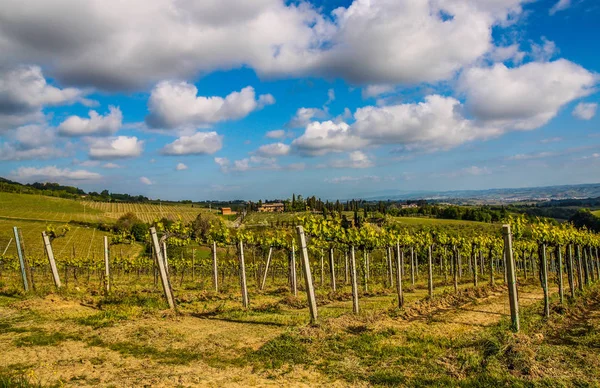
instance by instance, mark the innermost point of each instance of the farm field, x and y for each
(43, 208)
(82, 242)
(158, 320)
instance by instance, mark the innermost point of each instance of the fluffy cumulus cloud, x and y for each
(96, 124)
(34, 141)
(201, 143)
(115, 147)
(254, 163)
(146, 181)
(181, 167)
(585, 111)
(304, 116)
(24, 91)
(135, 44)
(322, 137)
(275, 149)
(356, 159)
(53, 173)
(276, 134)
(175, 104)
(498, 99)
(527, 96)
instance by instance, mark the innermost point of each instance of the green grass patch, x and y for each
(39, 337)
(102, 319)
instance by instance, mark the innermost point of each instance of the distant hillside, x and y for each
(508, 195)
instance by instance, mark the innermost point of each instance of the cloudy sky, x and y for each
(183, 99)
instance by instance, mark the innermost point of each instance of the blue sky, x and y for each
(177, 99)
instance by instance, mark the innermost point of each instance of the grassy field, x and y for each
(42, 208)
(82, 338)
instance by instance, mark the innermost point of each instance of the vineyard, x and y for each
(298, 300)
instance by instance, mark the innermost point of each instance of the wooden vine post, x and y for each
(390, 267)
(245, 300)
(50, 254)
(21, 259)
(430, 271)
(215, 268)
(310, 291)
(332, 269)
(293, 277)
(106, 266)
(512, 279)
(399, 265)
(354, 281)
(474, 255)
(570, 276)
(264, 279)
(561, 290)
(544, 279)
(164, 276)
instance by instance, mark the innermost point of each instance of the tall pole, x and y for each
(50, 254)
(399, 265)
(332, 269)
(264, 280)
(294, 278)
(561, 290)
(106, 265)
(512, 280)
(215, 267)
(544, 279)
(354, 281)
(245, 301)
(21, 259)
(430, 271)
(310, 291)
(164, 276)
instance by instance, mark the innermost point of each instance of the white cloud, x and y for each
(377, 90)
(24, 92)
(111, 165)
(175, 104)
(146, 181)
(505, 53)
(96, 125)
(535, 155)
(551, 140)
(304, 116)
(135, 44)
(561, 5)
(499, 98)
(524, 97)
(275, 149)
(545, 51)
(54, 173)
(35, 141)
(585, 111)
(115, 147)
(276, 134)
(356, 159)
(254, 163)
(201, 143)
(330, 96)
(321, 138)
(181, 167)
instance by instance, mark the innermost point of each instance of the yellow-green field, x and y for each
(83, 242)
(42, 208)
